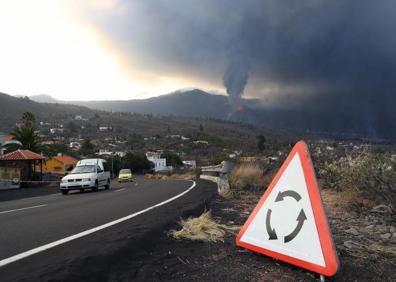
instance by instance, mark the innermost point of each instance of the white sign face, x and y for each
(285, 223)
(289, 222)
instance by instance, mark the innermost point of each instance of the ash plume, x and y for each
(317, 64)
(235, 79)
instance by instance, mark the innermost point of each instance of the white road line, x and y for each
(21, 209)
(87, 232)
(119, 190)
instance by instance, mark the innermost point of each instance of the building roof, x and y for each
(8, 137)
(68, 160)
(20, 155)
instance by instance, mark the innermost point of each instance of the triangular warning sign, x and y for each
(289, 222)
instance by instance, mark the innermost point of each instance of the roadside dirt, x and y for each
(365, 250)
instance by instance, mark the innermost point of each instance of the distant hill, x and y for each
(130, 126)
(11, 109)
(193, 103)
(43, 98)
(198, 103)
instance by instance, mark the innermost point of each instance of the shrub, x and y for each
(372, 173)
(183, 176)
(245, 177)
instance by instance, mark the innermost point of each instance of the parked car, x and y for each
(88, 174)
(125, 175)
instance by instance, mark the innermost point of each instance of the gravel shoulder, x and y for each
(364, 252)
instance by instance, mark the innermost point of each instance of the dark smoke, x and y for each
(235, 78)
(319, 65)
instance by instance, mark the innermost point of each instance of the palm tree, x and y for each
(28, 138)
(28, 119)
(26, 134)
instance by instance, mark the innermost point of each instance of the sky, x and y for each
(55, 47)
(333, 59)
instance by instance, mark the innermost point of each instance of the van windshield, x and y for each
(124, 171)
(84, 169)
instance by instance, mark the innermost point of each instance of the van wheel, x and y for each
(96, 187)
(107, 186)
(65, 192)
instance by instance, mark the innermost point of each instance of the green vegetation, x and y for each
(51, 150)
(87, 148)
(367, 172)
(217, 158)
(261, 142)
(28, 119)
(172, 158)
(136, 161)
(26, 133)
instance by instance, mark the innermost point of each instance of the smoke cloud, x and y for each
(235, 78)
(330, 64)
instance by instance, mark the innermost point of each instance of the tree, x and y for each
(26, 133)
(136, 161)
(135, 141)
(52, 150)
(261, 142)
(72, 127)
(217, 158)
(28, 119)
(172, 158)
(87, 148)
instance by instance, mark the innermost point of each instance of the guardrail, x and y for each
(222, 183)
(213, 168)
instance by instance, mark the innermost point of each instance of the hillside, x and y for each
(11, 109)
(133, 128)
(310, 119)
(192, 103)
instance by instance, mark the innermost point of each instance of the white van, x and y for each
(88, 174)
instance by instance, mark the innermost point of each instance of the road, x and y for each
(50, 236)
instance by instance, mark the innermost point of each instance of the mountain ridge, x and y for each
(200, 104)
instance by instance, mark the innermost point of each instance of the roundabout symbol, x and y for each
(300, 218)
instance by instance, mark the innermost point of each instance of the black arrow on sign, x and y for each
(271, 232)
(288, 193)
(301, 218)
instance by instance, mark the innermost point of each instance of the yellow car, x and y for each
(125, 175)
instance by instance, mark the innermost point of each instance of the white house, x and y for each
(75, 145)
(120, 153)
(159, 163)
(105, 128)
(191, 164)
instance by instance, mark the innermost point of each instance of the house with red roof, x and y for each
(59, 164)
(21, 165)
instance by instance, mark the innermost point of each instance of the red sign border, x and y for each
(326, 241)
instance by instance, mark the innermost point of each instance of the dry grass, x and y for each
(244, 177)
(202, 228)
(183, 176)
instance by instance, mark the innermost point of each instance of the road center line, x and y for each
(90, 231)
(119, 190)
(21, 209)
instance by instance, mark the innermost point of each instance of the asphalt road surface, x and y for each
(80, 235)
